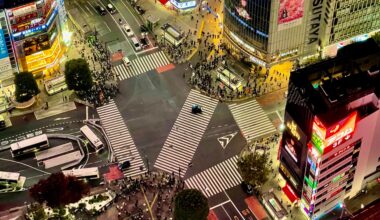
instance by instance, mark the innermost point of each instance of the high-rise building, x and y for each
(267, 32)
(35, 29)
(329, 149)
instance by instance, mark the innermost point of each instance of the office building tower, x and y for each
(329, 149)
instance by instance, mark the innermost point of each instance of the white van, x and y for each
(126, 61)
(136, 43)
(128, 30)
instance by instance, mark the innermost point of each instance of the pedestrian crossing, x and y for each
(141, 65)
(120, 139)
(216, 179)
(186, 133)
(252, 120)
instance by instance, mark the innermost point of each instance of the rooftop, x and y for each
(329, 86)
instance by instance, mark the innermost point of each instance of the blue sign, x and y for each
(183, 5)
(3, 46)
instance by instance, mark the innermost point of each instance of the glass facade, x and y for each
(249, 20)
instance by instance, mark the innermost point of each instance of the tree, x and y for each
(37, 211)
(376, 37)
(59, 190)
(254, 168)
(26, 86)
(78, 75)
(190, 204)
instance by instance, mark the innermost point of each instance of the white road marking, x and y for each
(25, 165)
(107, 26)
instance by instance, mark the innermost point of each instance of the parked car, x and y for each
(100, 10)
(136, 43)
(247, 188)
(140, 10)
(127, 29)
(144, 42)
(111, 8)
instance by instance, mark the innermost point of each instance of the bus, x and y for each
(9, 177)
(91, 136)
(84, 173)
(229, 79)
(30, 145)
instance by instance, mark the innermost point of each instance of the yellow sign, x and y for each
(293, 129)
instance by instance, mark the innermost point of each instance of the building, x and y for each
(329, 149)
(8, 63)
(269, 32)
(36, 33)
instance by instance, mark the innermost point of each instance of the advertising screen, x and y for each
(292, 146)
(290, 13)
(3, 46)
(335, 135)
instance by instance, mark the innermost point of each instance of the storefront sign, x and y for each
(183, 5)
(315, 21)
(292, 126)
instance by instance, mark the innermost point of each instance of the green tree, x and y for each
(376, 37)
(78, 75)
(59, 190)
(254, 168)
(37, 211)
(26, 86)
(190, 204)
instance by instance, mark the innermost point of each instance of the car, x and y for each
(100, 10)
(248, 188)
(125, 165)
(136, 43)
(144, 42)
(127, 29)
(140, 10)
(126, 61)
(195, 109)
(111, 9)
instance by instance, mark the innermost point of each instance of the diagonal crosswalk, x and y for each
(121, 141)
(187, 131)
(216, 179)
(141, 65)
(252, 120)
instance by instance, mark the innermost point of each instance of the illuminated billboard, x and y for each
(290, 13)
(327, 139)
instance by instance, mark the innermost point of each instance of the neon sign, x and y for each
(327, 139)
(293, 129)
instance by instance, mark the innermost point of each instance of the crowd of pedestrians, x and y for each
(98, 57)
(152, 194)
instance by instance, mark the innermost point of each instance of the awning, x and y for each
(290, 193)
(164, 1)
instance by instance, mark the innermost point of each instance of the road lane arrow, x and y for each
(225, 140)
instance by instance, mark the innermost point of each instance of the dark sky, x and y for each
(13, 3)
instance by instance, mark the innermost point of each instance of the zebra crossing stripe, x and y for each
(186, 133)
(252, 120)
(141, 65)
(216, 179)
(120, 139)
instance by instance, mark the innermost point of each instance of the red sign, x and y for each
(336, 134)
(290, 11)
(341, 151)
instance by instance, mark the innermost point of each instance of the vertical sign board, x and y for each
(3, 46)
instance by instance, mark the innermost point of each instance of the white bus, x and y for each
(229, 79)
(9, 177)
(91, 136)
(84, 173)
(30, 145)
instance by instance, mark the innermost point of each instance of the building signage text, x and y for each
(315, 21)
